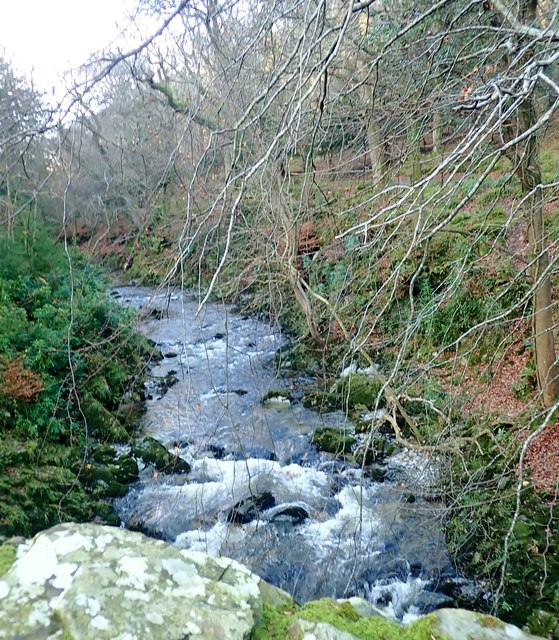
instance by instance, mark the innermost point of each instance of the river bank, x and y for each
(71, 381)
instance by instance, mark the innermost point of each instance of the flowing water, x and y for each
(258, 490)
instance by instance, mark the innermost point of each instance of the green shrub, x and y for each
(67, 354)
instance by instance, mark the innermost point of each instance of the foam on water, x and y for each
(397, 597)
(330, 531)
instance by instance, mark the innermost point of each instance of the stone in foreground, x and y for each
(92, 582)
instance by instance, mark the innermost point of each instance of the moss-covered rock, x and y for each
(125, 469)
(333, 440)
(328, 619)
(104, 454)
(297, 357)
(276, 398)
(100, 481)
(102, 424)
(544, 623)
(32, 499)
(152, 452)
(7, 557)
(358, 391)
(129, 414)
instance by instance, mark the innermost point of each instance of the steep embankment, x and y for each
(71, 369)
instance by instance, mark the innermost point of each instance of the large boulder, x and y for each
(94, 582)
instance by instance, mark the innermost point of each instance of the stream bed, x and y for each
(258, 490)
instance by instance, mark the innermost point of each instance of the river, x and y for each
(258, 490)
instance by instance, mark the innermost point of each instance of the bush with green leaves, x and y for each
(64, 347)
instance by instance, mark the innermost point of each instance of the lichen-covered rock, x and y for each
(459, 624)
(94, 582)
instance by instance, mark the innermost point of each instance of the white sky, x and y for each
(47, 37)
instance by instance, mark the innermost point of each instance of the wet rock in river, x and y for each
(146, 313)
(333, 440)
(167, 381)
(152, 452)
(376, 473)
(277, 398)
(296, 514)
(250, 509)
(253, 452)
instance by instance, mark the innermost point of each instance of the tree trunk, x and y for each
(438, 133)
(529, 171)
(377, 156)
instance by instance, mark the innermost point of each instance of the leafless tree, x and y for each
(379, 123)
(24, 117)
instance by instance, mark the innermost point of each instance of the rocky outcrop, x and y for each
(95, 582)
(92, 582)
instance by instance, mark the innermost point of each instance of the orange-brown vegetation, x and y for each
(17, 382)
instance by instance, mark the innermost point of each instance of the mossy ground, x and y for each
(280, 623)
(7, 557)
